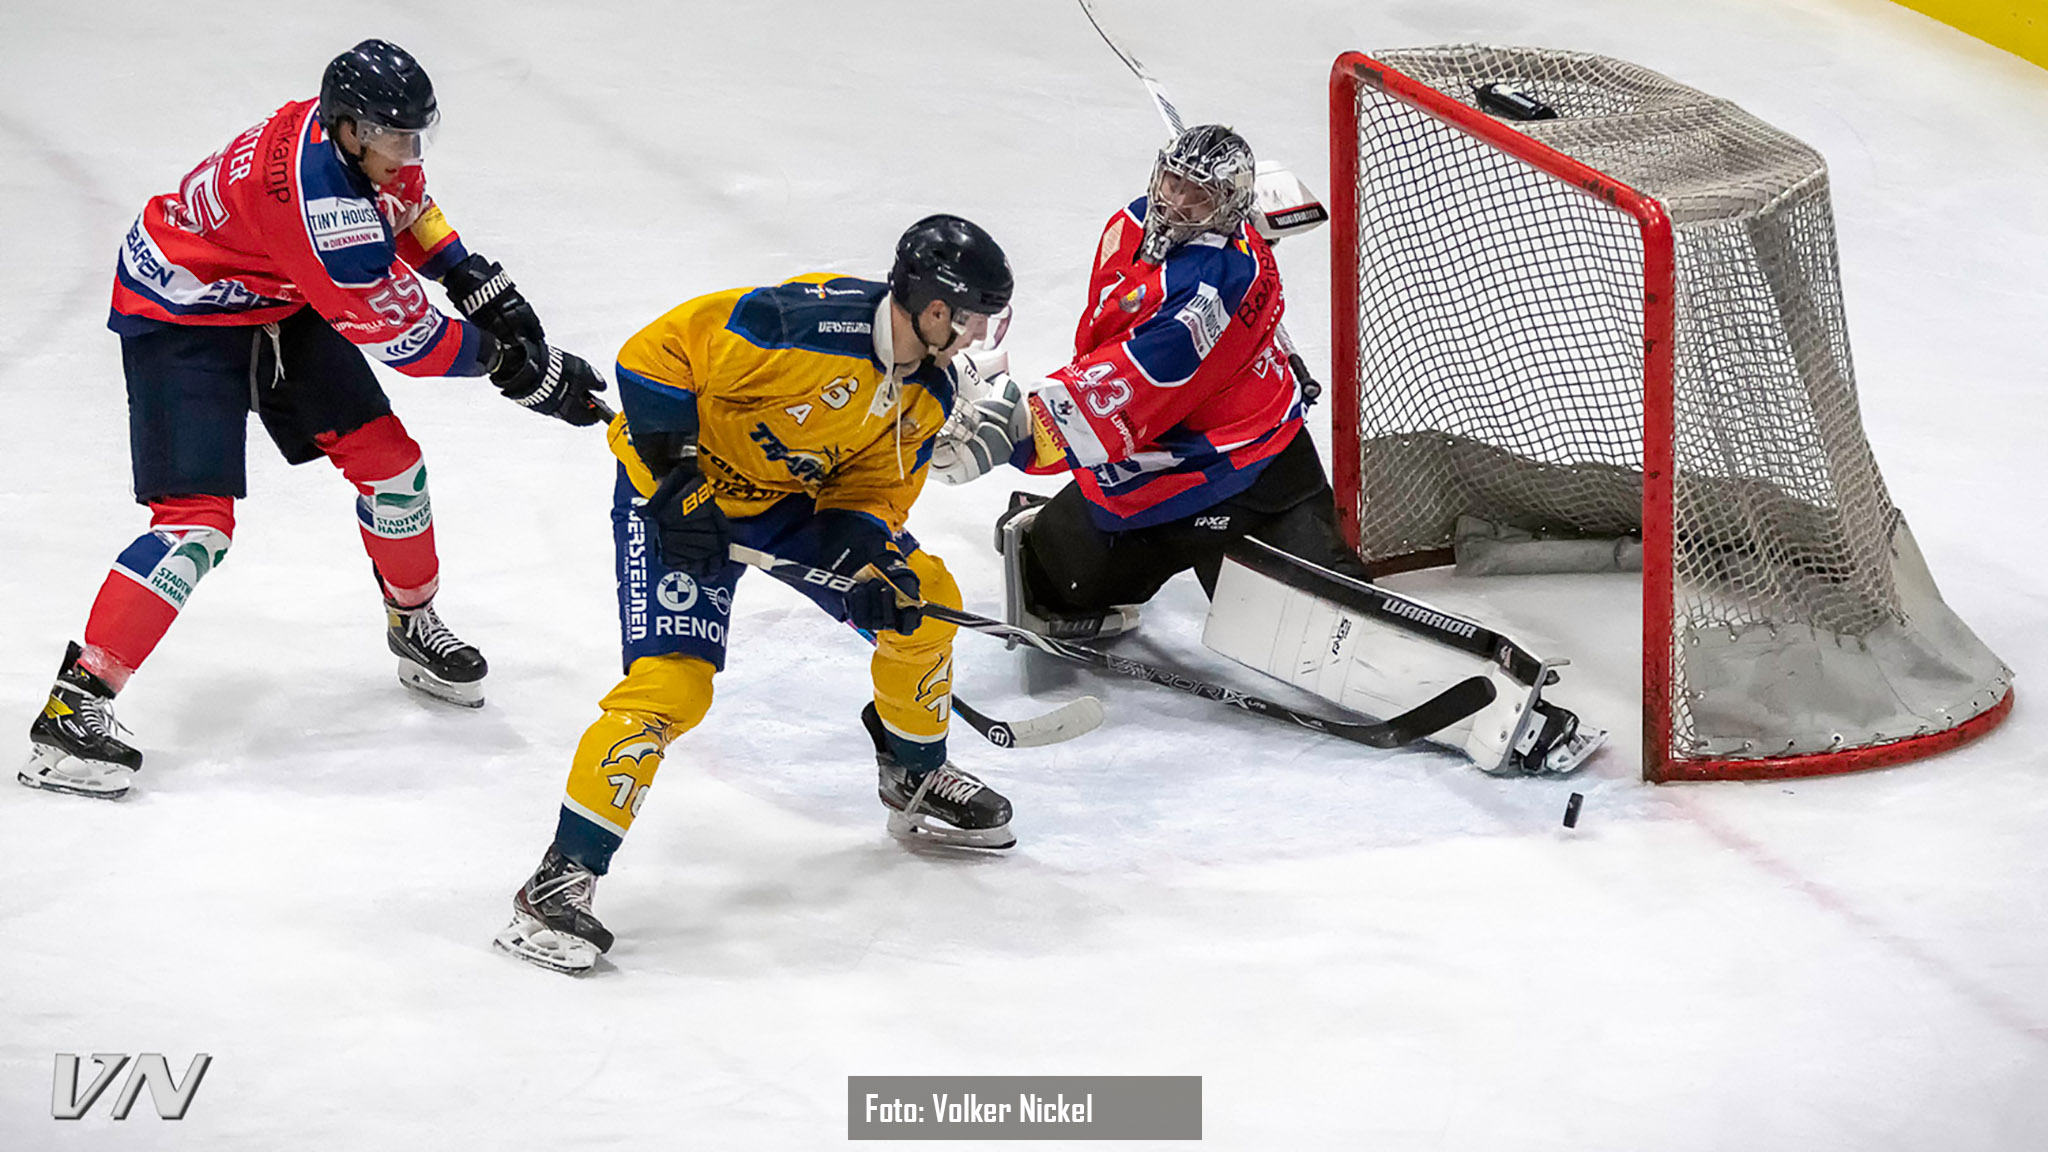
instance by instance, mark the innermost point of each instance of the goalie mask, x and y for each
(1202, 182)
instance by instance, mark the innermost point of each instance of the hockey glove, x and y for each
(548, 380)
(982, 434)
(488, 298)
(884, 598)
(690, 532)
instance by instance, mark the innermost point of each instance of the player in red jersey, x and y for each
(258, 285)
(1180, 416)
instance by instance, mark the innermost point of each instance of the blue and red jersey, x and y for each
(1179, 392)
(279, 221)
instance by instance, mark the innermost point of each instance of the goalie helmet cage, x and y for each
(1626, 319)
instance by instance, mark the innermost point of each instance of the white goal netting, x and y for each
(1501, 378)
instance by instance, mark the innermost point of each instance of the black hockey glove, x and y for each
(488, 298)
(886, 600)
(689, 530)
(548, 380)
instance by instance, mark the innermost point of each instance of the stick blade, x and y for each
(1422, 721)
(1432, 716)
(1074, 718)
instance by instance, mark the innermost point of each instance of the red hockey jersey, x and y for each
(277, 221)
(1179, 393)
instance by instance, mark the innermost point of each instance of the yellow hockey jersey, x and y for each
(789, 390)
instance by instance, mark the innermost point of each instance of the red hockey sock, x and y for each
(151, 581)
(392, 506)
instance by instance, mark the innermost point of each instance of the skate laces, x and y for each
(423, 627)
(574, 884)
(96, 714)
(948, 783)
(100, 714)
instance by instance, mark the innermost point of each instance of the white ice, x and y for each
(1354, 949)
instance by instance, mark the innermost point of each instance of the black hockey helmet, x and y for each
(946, 258)
(377, 84)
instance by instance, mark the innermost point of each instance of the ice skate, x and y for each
(943, 806)
(431, 659)
(1554, 743)
(75, 749)
(1018, 605)
(552, 925)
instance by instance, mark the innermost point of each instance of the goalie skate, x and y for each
(1553, 742)
(944, 806)
(75, 750)
(432, 660)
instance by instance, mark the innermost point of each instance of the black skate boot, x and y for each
(943, 806)
(552, 924)
(75, 749)
(433, 660)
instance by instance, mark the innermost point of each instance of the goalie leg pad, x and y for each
(1379, 652)
(1022, 609)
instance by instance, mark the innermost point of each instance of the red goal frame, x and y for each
(1353, 69)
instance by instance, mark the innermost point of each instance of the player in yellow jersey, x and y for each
(797, 419)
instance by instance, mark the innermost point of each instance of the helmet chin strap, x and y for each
(355, 159)
(932, 350)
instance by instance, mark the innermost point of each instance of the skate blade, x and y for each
(539, 945)
(53, 771)
(427, 684)
(926, 832)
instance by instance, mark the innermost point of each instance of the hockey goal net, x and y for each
(1622, 320)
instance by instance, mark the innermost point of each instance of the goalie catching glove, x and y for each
(983, 432)
(546, 379)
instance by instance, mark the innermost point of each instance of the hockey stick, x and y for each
(1167, 111)
(1441, 711)
(1074, 718)
(1311, 388)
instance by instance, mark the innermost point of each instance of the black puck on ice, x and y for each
(1571, 810)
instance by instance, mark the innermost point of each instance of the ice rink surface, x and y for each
(1354, 949)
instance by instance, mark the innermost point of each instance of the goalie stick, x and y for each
(1074, 718)
(1295, 218)
(1431, 716)
(1160, 100)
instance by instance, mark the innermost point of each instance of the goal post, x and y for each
(1608, 305)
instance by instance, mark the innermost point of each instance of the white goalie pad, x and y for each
(1380, 653)
(1285, 205)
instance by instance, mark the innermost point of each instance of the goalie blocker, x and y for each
(1370, 650)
